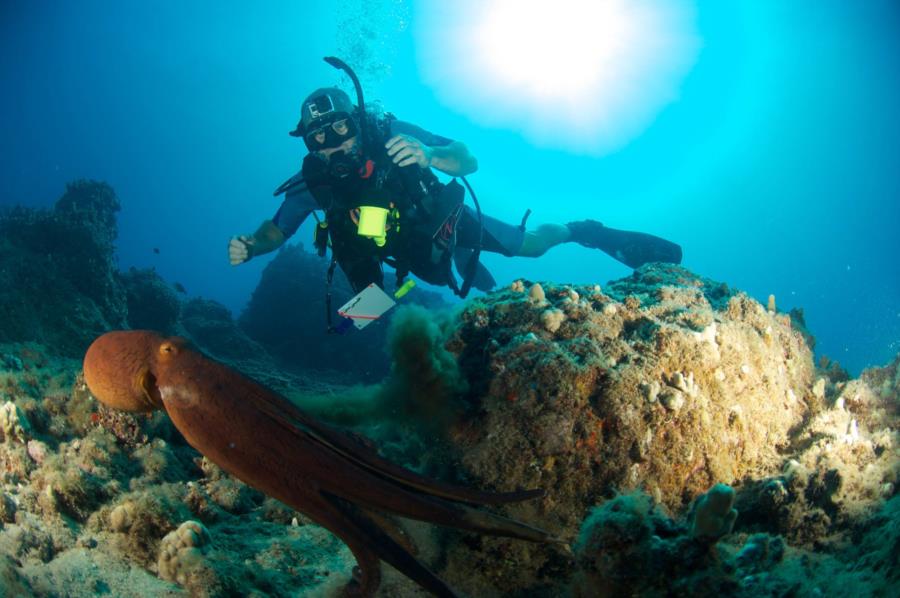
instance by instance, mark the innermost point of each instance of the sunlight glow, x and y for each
(583, 75)
(554, 54)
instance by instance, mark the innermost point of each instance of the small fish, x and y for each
(156, 250)
(180, 288)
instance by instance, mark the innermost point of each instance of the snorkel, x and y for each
(372, 219)
(360, 101)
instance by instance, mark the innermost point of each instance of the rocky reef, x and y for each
(620, 390)
(687, 441)
(644, 395)
(151, 303)
(103, 502)
(60, 287)
(793, 495)
(58, 281)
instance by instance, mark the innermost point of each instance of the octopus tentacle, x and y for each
(367, 574)
(382, 495)
(390, 551)
(360, 483)
(354, 450)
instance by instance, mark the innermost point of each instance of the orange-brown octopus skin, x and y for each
(264, 440)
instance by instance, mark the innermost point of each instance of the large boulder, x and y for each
(670, 387)
(666, 383)
(210, 325)
(152, 303)
(58, 283)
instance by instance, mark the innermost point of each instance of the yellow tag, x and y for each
(407, 287)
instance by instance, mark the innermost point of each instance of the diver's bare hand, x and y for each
(239, 249)
(406, 150)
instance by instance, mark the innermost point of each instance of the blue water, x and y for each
(774, 163)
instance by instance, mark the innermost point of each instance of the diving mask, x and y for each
(331, 134)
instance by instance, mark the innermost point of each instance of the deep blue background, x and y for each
(778, 168)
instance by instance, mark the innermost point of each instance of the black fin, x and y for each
(634, 249)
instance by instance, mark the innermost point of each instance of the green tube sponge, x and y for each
(713, 513)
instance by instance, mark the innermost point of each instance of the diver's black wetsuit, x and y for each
(360, 259)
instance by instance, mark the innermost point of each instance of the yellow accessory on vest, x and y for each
(373, 224)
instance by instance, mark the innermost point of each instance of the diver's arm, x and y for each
(453, 159)
(267, 237)
(297, 205)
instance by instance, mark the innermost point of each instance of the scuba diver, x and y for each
(372, 176)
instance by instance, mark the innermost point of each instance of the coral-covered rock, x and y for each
(628, 547)
(57, 270)
(663, 389)
(668, 383)
(141, 519)
(230, 494)
(845, 463)
(152, 303)
(13, 423)
(210, 325)
(181, 552)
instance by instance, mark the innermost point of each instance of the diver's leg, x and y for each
(633, 249)
(538, 241)
(510, 240)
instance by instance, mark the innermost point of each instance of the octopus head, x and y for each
(120, 368)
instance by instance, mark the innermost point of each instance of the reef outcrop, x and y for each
(664, 382)
(60, 287)
(667, 385)
(58, 283)
(152, 303)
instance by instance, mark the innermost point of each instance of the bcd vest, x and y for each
(421, 229)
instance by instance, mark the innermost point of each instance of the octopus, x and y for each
(335, 477)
